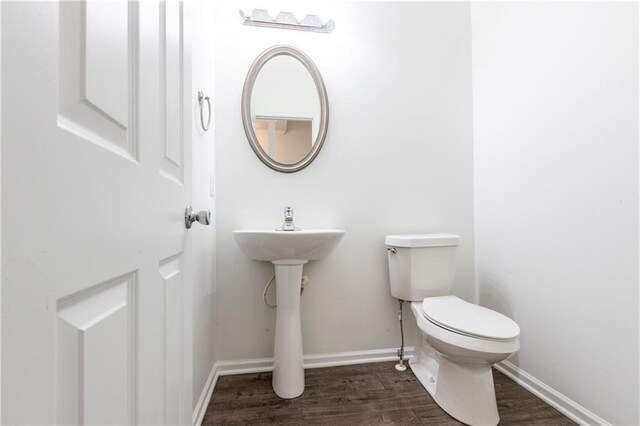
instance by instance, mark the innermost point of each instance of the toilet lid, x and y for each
(465, 318)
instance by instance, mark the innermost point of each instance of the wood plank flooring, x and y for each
(363, 394)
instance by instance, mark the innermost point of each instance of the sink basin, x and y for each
(288, 251)
(288, 245)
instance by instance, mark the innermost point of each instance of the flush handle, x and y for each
(392, 250)
(190, 216)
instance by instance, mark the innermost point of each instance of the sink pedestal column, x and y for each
(288, 368)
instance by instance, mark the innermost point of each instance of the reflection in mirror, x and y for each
(284, 109)
(287, 140)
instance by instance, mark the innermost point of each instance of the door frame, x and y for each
(1, 280)
(187, 292)
(0, 208)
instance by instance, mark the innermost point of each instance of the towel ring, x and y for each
(201, 99)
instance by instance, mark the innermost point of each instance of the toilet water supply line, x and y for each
(305, 279)
(400, 365)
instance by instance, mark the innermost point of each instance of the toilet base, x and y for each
(464, 390)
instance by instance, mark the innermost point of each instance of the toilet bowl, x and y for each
(457, 341)
(455, 367)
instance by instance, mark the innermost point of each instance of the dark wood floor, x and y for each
(364, 394)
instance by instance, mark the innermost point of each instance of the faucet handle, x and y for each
(288, 212)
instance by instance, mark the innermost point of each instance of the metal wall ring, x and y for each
(201, 99)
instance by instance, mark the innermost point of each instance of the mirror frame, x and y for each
(249, 82)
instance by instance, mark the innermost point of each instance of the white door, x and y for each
(96, 173)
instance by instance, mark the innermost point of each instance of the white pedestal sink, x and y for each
(288, 251)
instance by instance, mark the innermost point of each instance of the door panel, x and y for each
(106, 57)
(98, 76)
(171, 163)
(96, 175)
(171, 272)
(96, 354)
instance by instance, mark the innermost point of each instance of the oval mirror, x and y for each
(284, 109)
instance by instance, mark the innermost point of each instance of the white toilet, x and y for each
(457, 341)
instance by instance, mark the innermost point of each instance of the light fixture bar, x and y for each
(286, 21)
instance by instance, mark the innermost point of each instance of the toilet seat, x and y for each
(463, 342)
(458, 316)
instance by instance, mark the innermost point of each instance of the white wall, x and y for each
(397, 159)
(203, 249)
(555, 97)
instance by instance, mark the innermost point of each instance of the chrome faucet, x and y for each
(288, 221)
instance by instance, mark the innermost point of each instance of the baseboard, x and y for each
(261, 365)
(566, 406)
(205, 396)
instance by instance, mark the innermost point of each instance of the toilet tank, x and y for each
(421, 265)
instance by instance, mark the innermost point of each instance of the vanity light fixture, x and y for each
(286, 21)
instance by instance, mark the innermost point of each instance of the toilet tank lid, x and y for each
(422, 240)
